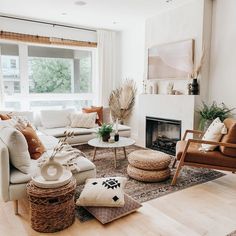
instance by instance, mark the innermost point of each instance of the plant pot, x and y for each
(106, 137)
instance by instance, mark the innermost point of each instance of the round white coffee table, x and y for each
(122, 143)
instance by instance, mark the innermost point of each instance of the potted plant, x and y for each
(104, 132)
(210, 112)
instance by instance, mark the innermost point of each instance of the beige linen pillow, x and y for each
(213, 133)
(107, 192)
(17, 147)
(83, 120)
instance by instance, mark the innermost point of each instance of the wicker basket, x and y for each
(52, 209)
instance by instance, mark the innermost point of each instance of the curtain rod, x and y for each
(46, 23)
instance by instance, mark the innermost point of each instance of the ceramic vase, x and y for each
(51, 170)
(194, 87)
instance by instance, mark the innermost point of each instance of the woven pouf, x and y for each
(149, 159)
(148, 175)
(149, 165)
(51, 209)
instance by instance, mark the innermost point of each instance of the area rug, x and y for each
(141, 191)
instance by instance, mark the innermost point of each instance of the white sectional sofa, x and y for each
(55, 123)
(13, 182)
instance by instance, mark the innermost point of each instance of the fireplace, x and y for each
(162, 134)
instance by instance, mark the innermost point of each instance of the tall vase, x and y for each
(194, 87)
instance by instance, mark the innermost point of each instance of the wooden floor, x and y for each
(206, 209)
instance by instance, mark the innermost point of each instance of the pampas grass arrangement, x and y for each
(121, 101)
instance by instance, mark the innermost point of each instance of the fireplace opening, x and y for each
(162, 134)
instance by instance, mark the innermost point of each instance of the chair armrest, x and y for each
(231, 145)
(4, 172)
(189, 131)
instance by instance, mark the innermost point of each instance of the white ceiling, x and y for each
(95, 14)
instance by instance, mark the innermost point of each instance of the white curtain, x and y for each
(107, 58)
(1, 83)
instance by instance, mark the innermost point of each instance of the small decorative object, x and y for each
(104, 132)
(194, 88)
(152, 87)
(52, 170)
(121, 101)
(170, 88)
(194, 75)
(189, 88)
(116, 136)
(208, 113)
(144, 87)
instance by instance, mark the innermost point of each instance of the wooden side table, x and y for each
(51, 209)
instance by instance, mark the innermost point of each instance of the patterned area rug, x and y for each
(139, 190)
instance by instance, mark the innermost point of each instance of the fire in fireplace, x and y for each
(162, 134)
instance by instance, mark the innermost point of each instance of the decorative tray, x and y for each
(40, 182)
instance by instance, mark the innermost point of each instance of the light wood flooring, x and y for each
(206, 209)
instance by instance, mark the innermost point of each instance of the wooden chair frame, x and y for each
(182, 161)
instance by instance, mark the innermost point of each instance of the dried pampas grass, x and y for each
(121, 101)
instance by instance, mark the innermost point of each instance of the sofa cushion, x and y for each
(98, 110)
(17, 147)
(196, 156)
(35, 146)
(230, 137)
(29, 115)
(59, 132)
(83, 120)
(49, 142)
(5, 117)
(55, 118)
(18, 177)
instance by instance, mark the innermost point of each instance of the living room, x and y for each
(117, 117)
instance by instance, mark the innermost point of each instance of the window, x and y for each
(50, 78)
(50, 75)
(10, 68)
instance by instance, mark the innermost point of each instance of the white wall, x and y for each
(177, 24)
(189, 21)
(132, 64)
(223, 53)
(25, 27)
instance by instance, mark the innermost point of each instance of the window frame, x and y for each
(25, 97)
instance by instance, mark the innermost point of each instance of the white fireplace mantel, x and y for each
(176, 107)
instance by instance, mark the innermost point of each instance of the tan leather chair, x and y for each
(222, 158)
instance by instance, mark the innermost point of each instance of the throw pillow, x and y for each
(108, 214)
(83, 120)
(5, 116)
(106, 192)
(35, 146)
(17, 147)
(55, 118)
(98, 110)
(213, 133)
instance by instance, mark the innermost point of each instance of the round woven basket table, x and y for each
(51, 209)
(148, 165)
